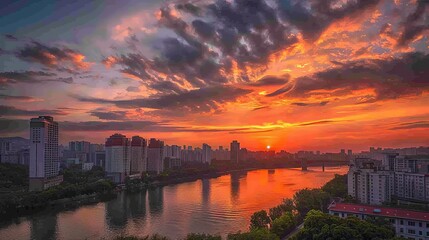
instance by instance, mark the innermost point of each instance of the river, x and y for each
(217, 206)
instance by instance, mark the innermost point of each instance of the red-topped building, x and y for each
(155, 156)
(138, 155)
(117, 157)
(407, 223)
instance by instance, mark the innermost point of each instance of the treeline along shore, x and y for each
(80, 187)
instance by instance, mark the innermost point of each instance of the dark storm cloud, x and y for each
(7, 78)
(10, 37)
(203, 29)
(198, 100)
(286, 88)
(13, 111)
(109, 115)
(313, 17)
(204, 49)
(13, 126)
(304, 104)
(53, 57)
(415, 24)
(390, 78)
(133, 89)
(167, 87)
(17, 98)
(190, 8)
(271, 81)
(412, 125)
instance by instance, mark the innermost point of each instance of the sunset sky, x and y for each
(295, 75)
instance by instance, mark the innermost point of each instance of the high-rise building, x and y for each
(80, 150)
(235, 150)
(206, 154)
(94, 148)
(155, 156)
(80, 146)
(14, 150)
(138, 155)
(44, 158)
(372, 181)
(117, 165)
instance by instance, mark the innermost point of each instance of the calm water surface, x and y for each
(220, 205)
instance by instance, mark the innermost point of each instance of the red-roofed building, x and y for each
(117, 157)
(138, 155)
(407, 223)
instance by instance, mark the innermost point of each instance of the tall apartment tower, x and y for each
(235, 149)
(155, 156)
(207, 154)
(117, 163)
(138, 155)
(44, 159)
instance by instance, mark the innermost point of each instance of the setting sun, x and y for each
(268, 147)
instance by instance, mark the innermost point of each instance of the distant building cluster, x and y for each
(381, 177)
(15, 150)
(385, 176)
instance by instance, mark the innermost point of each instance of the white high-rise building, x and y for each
(207, 154)
(375, 182)
(44, 159)
(117, 163)
(138, 155)
(155, 156)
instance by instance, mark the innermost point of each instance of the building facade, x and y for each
(117, 164)
(206, 154)
(235, 151)
(405, 178)
(407, 224)
(44, 162)
(155, 156)
(138, 155)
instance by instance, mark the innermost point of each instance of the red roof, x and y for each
(116, 140)
(379, 211)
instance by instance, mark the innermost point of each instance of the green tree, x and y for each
(308, 199)
(275, 212)
(318, 225)
(283, 225)
(337, 187)
(259, 219)
(256, 234)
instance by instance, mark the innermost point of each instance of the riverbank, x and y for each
(13, 207)
(217, 206)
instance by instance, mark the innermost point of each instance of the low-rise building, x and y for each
(407, 223)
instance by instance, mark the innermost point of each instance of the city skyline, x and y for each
(291, 75)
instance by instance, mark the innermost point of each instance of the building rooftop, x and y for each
(379, 211)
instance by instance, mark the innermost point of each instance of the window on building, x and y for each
(420, 224)
(420, 233)
(411, 231)
(402, 222)
(411, 223)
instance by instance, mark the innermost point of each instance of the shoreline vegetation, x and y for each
(304, 216)
(82, 188)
